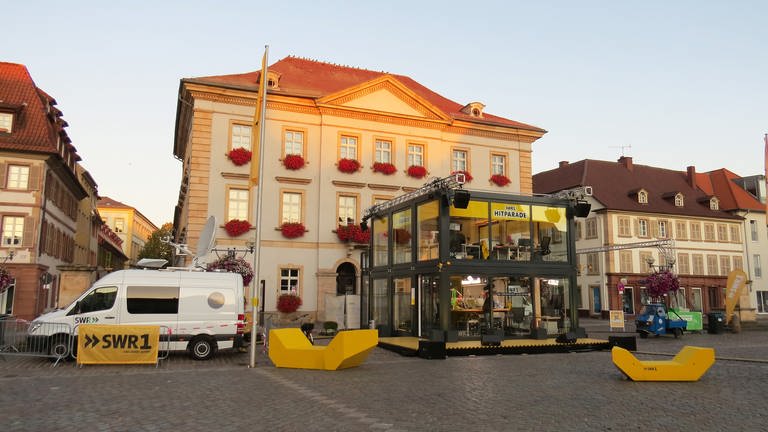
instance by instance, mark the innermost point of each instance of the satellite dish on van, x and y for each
(205, 243)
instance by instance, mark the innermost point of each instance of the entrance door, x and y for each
(629, 301)
(345, 279)
(429, 304)
(597, 306)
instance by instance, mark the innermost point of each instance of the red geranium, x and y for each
(500, 179)
(292, 229)
(467, 175)
(240, 156)
(384, 168)
(288, 303)
(349, 166)
(353, 233)
(417, 171)
(237, 227)
(293, 161)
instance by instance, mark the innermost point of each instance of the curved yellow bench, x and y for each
(689, 364)
(289, 348)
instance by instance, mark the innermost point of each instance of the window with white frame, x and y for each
(347, 209)
(13, 230)
(6, 122)
(383, 151)
(712, 269)
(725, 265)
(459, 160)
(698, 264)
(415, 155)
(590, 227)
(662, 224)
(753, 229)
(498, 164)
(18, 177)
(294, 142)
(241, 136)
(735, 234)
(642, 228)
(577, 227)
(289, 280)
(642, 197)
(681, 233)
(679, 200)
(714, 204)
(709, 232)
(695, 231)
(738, 262)
(348, 147)
(291, 207)
(756, 264)
(119, 225)
(722, 233)
(237, 204)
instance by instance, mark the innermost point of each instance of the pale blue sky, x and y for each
(681, 82)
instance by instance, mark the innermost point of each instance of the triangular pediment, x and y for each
(385, 95)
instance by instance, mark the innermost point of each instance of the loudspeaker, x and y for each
(568, 337)
(582, 209)
(461, 198)
(629, 343)
(432, 350)
(490, 340)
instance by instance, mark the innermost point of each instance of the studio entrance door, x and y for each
(429, 304)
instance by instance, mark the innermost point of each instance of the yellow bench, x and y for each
(289, 348)
(689, 364)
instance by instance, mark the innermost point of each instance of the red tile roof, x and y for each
(615, 187)
(34, 129)
(732, 196)
(313, 79)
(110, 203)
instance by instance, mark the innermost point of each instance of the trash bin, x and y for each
(715, 322)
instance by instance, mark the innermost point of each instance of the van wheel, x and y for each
(59, 348)
(677, 332)
(202, 347)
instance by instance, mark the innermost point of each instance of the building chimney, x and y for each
(562, 164)
(692, 176)
(626, 162)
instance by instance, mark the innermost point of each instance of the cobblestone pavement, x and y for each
(564, 392)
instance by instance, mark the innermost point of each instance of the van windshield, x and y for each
(102, 298)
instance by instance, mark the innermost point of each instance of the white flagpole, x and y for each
(257, 251)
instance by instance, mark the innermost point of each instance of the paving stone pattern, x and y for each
(564, 392)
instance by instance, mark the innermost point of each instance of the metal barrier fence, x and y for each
(35, 339)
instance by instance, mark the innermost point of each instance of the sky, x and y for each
(670, 83)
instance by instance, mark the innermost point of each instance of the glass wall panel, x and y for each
(428, 233)
(401, 233)
(403, 303)
(511, 231)
(469, 231)
(380, 303)
(553, 305)
(550, 234)
(430, 304)
(380, 241)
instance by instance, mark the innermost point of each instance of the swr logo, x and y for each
(118, 341)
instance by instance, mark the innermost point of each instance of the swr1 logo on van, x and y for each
(118, 341)
(86, 320)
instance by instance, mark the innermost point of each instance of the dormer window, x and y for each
(273, 80)
(714, 203)
(6, 122)
(474, 109)
(679, 200)
(642, 197)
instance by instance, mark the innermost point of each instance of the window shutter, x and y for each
(34, 178)
(636, 224)
(29, 230)
(654, 229)
(3, 175)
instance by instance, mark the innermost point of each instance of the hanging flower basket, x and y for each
(661, 283)
(467, 175)
(293, 161)
(292, 229)
(349, 166)
(402, 236)
(233, 265)
(500, 179)
(5, 279)
(353, 233)
(288, 303)
(384, 168)
(237, 227)
(416, 171)
(240, 156)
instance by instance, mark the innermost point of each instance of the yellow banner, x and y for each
(475, 209)
(117, 344)
(737, 283)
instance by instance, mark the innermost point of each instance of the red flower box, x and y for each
(353, 233)
(240, 156)
(293, 161)
(349, 166)
(417, 171)
(500, 179)
(292, 229)
(288, 303)
(237, 227)
(384, 168)
(467, 175)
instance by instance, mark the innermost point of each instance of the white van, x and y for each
(203, 311)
